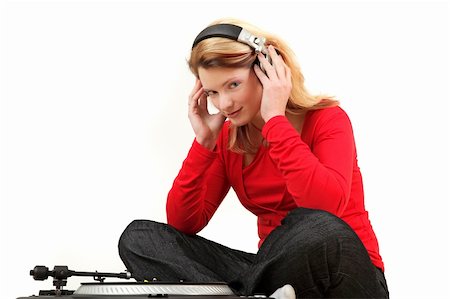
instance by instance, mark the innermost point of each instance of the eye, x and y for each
(234, 84)
(210, 93)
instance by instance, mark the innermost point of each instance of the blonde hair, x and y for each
(224, 52)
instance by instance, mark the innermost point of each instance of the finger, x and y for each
(277, 61)
(194, 100)
(288, 73)
(197, 86)
(203, 102)
(196, 94)
(260, 74)
(283, 70)
(270, 71)
(287, 70)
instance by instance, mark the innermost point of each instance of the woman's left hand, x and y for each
(276, 83)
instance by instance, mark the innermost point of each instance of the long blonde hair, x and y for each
(224, 52)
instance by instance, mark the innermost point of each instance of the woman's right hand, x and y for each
(206, 126)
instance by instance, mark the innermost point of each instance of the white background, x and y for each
(94, 125)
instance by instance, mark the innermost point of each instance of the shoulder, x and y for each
(332, 116)
(326, 113)
(325, 122)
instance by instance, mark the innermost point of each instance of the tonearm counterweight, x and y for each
(61, 273)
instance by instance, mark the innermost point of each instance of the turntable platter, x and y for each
(156, 288)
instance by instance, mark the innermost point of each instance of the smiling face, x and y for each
(235, 92)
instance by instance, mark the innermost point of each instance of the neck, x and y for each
(255, 133)
(257, 122)
(297, 120)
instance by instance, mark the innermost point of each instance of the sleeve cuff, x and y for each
(203, 151)
(274, 121)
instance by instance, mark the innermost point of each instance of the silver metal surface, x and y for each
(153, 288)
(255, 42)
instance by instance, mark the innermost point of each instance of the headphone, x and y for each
(236, 33)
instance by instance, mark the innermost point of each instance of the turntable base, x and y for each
(140, 297)
(127, 290)
(130, 290)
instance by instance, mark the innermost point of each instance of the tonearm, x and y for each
(61, 273)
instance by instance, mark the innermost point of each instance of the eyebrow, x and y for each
(226, 82)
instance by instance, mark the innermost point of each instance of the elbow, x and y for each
(336, 196)
(183, 222)
(341, 205)
(332, 200)
(182, 225)
(338, 199)
(333, 205)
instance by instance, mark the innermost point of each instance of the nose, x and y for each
(225, 103)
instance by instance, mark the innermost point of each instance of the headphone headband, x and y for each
(233, 32)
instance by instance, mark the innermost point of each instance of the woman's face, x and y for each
(235, 92)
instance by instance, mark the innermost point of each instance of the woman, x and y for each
(291, 159)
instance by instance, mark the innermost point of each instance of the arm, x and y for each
(201, 183)
(197, 191)
(319, 177)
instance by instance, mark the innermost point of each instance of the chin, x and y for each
(238, 122)
(244, 118)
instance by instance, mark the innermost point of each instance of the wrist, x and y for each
(267, 117)
(207, 143)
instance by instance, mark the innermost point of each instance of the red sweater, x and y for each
(317, 170)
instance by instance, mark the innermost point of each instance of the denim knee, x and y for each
(311, 228)
(134, 231)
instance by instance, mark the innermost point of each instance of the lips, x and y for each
(234, 113)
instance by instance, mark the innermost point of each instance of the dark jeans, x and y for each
(314, 251)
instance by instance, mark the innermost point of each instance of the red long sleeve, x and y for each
(315, 169)
(197, 191)
(319, 177)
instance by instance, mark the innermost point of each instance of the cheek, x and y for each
(255, 90)
(256, 95)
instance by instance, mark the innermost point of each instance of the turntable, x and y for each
(127, 290)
